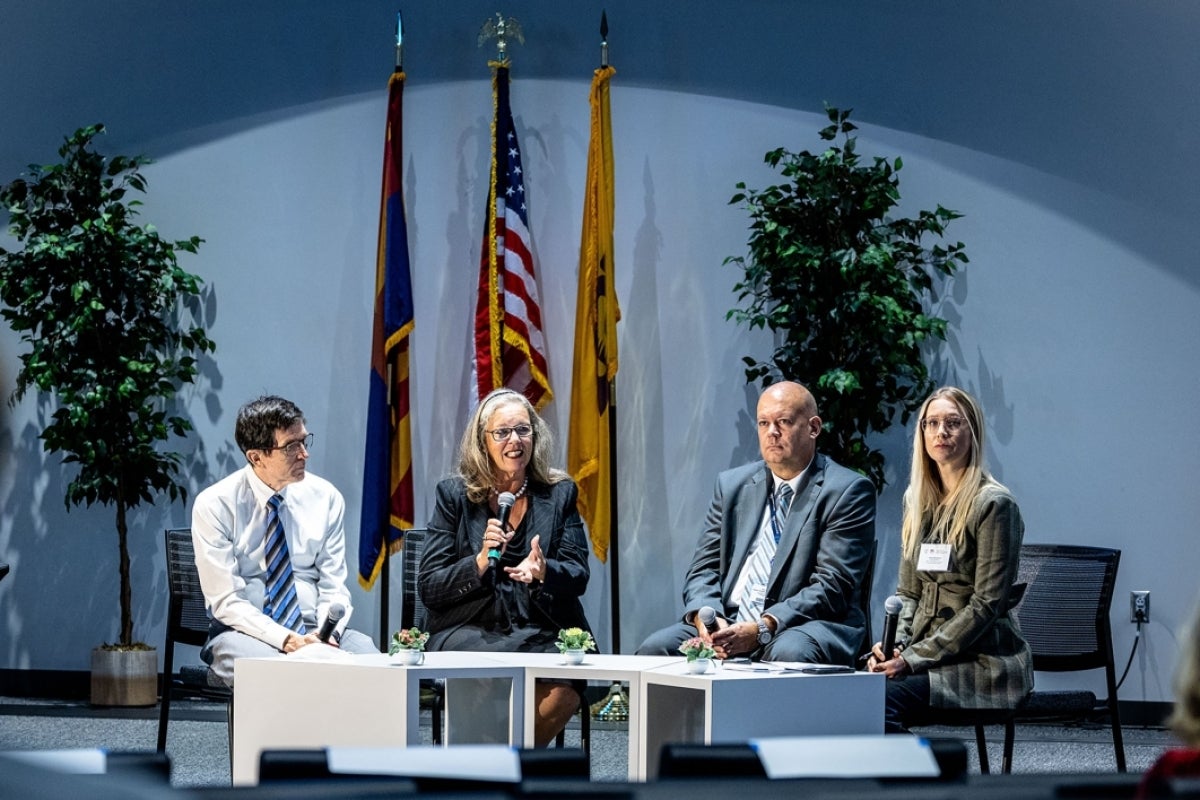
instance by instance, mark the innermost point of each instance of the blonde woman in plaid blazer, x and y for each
(958, 644)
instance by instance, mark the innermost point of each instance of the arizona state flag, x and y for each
(589, 449)
(510, 348)
(387, 505)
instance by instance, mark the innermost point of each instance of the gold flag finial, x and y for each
(501, 29)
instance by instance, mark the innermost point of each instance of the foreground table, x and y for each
(728, 705)
(362, 700)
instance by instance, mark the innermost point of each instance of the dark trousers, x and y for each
(906, 702)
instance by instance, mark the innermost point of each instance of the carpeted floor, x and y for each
(198, 747)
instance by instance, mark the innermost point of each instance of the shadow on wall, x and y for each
(645, 521)
(56, 552)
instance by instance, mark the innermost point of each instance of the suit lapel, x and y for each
(803, 505)
(745, 528)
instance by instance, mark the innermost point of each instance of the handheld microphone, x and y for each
(336, 612)
(505, 501)
(891, 621)
(708, 618)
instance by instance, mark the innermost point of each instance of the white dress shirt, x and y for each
(764, 530)
(229, 531)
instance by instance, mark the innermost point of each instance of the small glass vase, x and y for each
(699, 666)
(573, 655)
(410, 657)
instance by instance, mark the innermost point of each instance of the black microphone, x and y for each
(505, 501)
(336, 612)
(708, 618)
(891, 621)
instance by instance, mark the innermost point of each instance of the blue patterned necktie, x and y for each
(282, 604)
(750, 603)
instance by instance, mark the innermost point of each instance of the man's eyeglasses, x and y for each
(951, 424)
(292, 449)
(502, 434)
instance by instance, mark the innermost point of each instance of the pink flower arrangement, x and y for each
(408, 639)
(696, 648)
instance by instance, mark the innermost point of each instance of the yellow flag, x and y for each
(589, 449)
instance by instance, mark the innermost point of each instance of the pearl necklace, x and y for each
(516, 495)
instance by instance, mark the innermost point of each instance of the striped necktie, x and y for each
(758, 569)
(281, 604)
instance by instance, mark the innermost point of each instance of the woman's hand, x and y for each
(533, 567)
(494, 538)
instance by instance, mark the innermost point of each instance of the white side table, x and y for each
(353, 700)
(729, 705)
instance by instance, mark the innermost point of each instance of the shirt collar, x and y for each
(262, 492)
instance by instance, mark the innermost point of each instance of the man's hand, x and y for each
(895, 667)
(295, 641)
(732, 640)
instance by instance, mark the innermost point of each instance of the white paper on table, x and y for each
(485, 762)
(846, 757)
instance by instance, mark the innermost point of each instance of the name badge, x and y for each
(934, 558)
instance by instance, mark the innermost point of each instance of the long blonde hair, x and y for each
(926, 498)
(475, 464)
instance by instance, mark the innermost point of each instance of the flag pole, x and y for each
(385, 571)
(613, 539)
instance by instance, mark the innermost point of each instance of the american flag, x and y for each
(510, 349)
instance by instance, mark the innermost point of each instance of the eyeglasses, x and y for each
(292, 449)
(951, 424)
(502, 434)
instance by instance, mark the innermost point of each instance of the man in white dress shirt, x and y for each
(232, 525)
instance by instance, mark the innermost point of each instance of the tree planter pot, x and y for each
(124, 677)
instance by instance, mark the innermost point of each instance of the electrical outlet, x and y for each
(1139, 606)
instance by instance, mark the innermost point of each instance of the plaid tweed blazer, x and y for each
(958, 625)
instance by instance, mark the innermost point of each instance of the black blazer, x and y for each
(449, 583)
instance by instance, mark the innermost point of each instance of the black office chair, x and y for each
(865, 600)
(187, 623)
(412, 614)
(1065, 618)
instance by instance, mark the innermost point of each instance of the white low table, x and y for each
(728, 705)
(596, 667)
(357, 700)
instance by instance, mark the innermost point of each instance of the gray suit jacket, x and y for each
(817, 575)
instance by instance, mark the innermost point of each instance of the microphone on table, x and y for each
(891, 621)
(336, 612)
(506, 500)
(708, 618)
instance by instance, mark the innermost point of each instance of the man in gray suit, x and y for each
(784, 550)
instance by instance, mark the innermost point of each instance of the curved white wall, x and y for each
(1079, 345)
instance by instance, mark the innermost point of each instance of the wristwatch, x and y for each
(764, 633)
